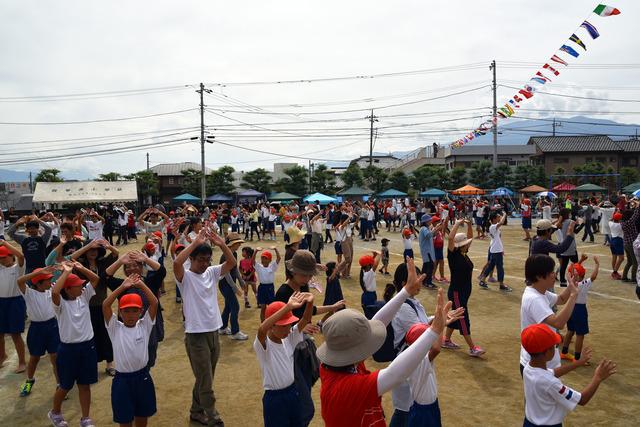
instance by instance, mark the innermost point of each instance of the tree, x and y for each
(221, 181)
(629, 176)
(295, 182)
(147, 184)
(399, 180)
(593, 168)
(111, 176)
(323, 180)
(428, 176)
(257, 179)
(480, 174)
(375, 178)
(457, 177)
(48, 175)
(352, 176)
(192, 182)
(501, 176)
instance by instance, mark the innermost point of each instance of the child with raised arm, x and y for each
(578, 323)
(248, 274)
(266, 271)
(368, 265)
(12, 306)
(547, 400)
(133, 396)
(274, 345)
(77, 359)
(43, 336)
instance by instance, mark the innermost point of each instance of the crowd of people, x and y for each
(59, 272)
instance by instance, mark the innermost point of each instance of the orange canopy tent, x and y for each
(533, 189)
(468, 190)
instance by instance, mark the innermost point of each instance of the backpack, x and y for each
(387, 352)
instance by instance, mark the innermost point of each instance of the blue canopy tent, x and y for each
(433, 192)
(186, 197)
(219, 198)
(321, 198)
(502, 192)
(392, 193)
(249, 196)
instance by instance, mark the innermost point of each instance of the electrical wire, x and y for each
(99, 120)
(292, 156)
(575, 96)
(86, 94)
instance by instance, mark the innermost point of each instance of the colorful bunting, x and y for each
(529, 88)
(517, 98)
(559, 60)
(550, 68)
(590, 29)
(512, 102)
(539, 80)
(568, 49)
(577, 41)
(526, 93)
(604, 10)
(539, 74)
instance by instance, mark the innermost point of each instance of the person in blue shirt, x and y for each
(427, 250)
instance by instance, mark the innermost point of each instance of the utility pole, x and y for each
(203, 179)
(31, 179)
(310, 173)
(372, 119)
(555, 125)
(147, 161)
(495, 114)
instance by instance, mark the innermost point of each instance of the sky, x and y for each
(123, 60)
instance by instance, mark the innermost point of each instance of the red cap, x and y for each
(435, 218)
(539, 338)
(526, 201)
(577, 269)
(414, 332)
(130, 300)
(617, 216)
(172, 213)
(299, 224)
(413, 209)
(266, 254)
(4, 252)
(77, 233)
(406, 232)
(157, 233)
(445, 206)
(287, 218)
(366, 260)
(73, 281)
(274, 307)
(40, 277)
(179, 247)
(151, 247)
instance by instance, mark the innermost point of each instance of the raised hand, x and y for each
(441, 311)
(296, 300)
(67, 266)
(414, 282)
(455, 315)
(584, 357)
(216, 239)
(605, 369)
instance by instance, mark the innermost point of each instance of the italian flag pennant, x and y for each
(604, 10)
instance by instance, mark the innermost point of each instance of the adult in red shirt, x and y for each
(350, 395)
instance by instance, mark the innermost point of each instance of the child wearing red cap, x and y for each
(368, 266)
(616, 245)
(12, 306)
(133, 394)
(266, 271)
(578, 323)
(425, 410)
(547, 400)
(43, 336)
(77, 358)
(408, 235)
(248, 274)
(274, 345)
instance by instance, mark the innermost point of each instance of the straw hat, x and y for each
(233, 238)
(295, 234)
(461, 240)
(303, 262)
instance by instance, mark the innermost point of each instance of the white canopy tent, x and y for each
(85, 192)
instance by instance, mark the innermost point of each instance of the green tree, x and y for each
(480, 174)
(352, 176)
(457, 177)
(323, 180)
(375, 178)
(501, 176)
(111, 176)
(399, 180)
(296, 181)
(192, 182)
(428, 176)
(49, 175)
(257, 179)
(147, 183)
(221, 181)
(539, 176)
(629, 176)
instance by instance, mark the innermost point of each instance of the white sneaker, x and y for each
(239, 336)
(225, 331)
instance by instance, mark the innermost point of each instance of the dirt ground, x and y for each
(486, 391)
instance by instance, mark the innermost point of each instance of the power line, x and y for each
(576, 96)
(99, 120)
(292, 156)
(575, 122)
(83, 94)
(84, 98)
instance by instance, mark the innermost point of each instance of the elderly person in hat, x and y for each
(427, 249)
(542, 244)
(230, 291)
(350, 394)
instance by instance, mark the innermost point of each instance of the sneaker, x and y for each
(492, 280)
(239, 336)
(505, 288)
(387, 273)
(567, 356)
(199, 417)
(476, 351)
(225, 331)
(87, 422)
(57, 420)
(25, 390)
(247, 305)
(483, 285)
(449, 344)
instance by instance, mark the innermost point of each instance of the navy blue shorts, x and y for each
(266, 293)
(132, 395)
(12, 313)
(281, 408)
(368, 298)
(439, 254)
(77, 363)
(480, 221)
(528, 423)
(526, 223)
(271, 226)
(286, 237)
(338, 247)
(407, 253)
(43, 337)
(425, 415)
(579, 320)
(617, 246)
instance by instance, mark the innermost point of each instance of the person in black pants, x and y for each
(588, 226)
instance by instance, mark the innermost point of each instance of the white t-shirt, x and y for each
(424, 388)
(39, 305)
(547, 400)
(496, 239)
(371, 215)
(276, 361)
(534, 309)
(9, 280)
(583, 291)
(74, 319)
(607, 213)
(369, 279)
(266, 274)
(151, 227)
(316, 226)
(95, 229)
(616, 229)
(480, 211)
(546, 212)
(130, 344)
(200, 300)
(407, 242)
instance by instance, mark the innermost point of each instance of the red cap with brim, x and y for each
(577, 269)
(73, 281)
(4, 252)
(40, 277)
(366, 260)
(151, 247)
(414, 332)
(157, 233)
(539, 338)
(130, 300)
(267, 255)
(617, 216)
(274, 307)
(179, 247)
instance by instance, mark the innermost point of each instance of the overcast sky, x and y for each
(77, 47)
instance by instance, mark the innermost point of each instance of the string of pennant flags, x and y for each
(552, 67)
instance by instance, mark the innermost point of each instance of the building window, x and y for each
(612, 159)
(601, 160)
(588, 160)
(560, 160)
(629, 161)
(171, 181)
